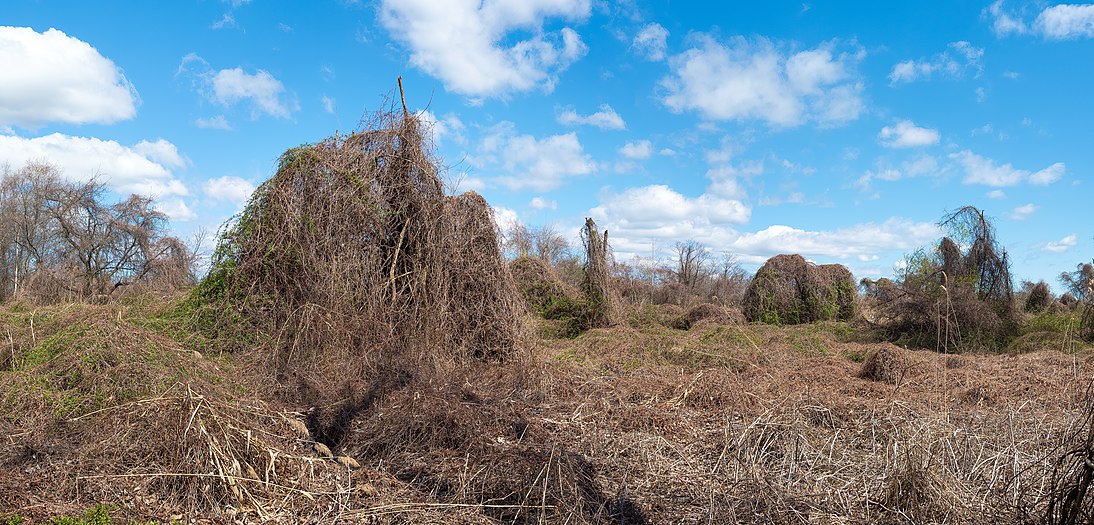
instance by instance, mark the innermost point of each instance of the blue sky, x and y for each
(842, 131)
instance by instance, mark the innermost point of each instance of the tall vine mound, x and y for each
(789, 290)
(352, 258)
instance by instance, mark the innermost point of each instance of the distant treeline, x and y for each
(61, 241)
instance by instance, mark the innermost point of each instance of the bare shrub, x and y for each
(789, 290)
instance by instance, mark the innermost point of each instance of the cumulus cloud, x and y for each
(638, 150)
(1061, 245)
(1048, 175)
(265, 93)
(228, 189)
(144, 169)
(1023, 212)
(954, 62)
(176, 209)
(860, 240)
(651, 42)
(746, 79)
(539, 203)
(1056, 22)
(470, 46)
(982, 170)
(52, 77)
(653, 217)
(1066, 21)
(442, 128)
(606, 118)
(506, 220)
(905, 134)
(540, 164)
(997, 194)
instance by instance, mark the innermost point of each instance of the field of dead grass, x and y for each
(721, 423)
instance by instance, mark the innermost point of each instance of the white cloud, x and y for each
(855, 241)
(229, 189)
(266, 93)
(226, 21)
(328, 104)
(1003, 23)
(656, 215)
(651, 42)
(52, 77)
(746, 80)
(143, 169)
(1048, 175)
(161, 152)
(905, 134)
(541, 164)
(470, 46)
(944, 63)
(1066, 21)
(653, 217)
(505, 219)
(606, 118)
(921, 166)
(217, 122)
(176, 209)
(982, 170)
(1023, 212)
(1056, 22)
(540, 203)
(1062, 245)
(639, 150)
(997, 194)
(450, 126)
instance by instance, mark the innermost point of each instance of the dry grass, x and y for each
(719, 424)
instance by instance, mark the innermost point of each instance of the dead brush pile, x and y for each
(390, 318)
(957, 296)
(789, 290)
(352, 258)
(538, 284)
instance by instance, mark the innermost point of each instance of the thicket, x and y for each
(61, 241)
(957, 295)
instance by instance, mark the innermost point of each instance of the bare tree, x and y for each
(549, 245)
(693, 264)
(1080, 282)
(61, 235)
(517, 241)
(729, 282)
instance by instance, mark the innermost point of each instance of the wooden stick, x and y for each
(402, 96)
